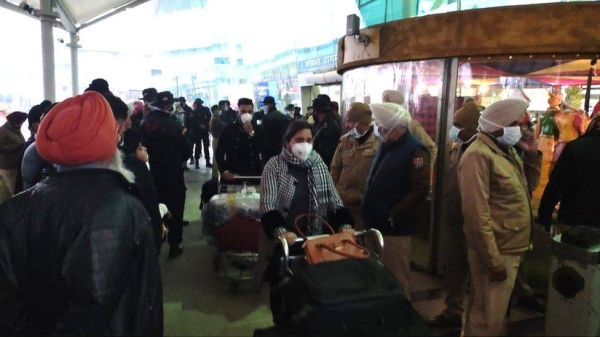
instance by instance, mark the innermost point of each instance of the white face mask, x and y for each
(512, 135)
(454, 134)
(246, 117)
(302, 150)
(225, 108)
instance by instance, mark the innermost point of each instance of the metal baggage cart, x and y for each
(237, 198)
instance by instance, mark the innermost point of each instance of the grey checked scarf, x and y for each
(277, 187)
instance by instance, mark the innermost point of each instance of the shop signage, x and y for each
(318, 63)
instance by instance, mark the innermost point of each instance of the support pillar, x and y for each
(74, 63)
(47, 18)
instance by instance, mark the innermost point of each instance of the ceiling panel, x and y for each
(82, 11)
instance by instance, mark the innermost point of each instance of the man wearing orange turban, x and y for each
(78, 246)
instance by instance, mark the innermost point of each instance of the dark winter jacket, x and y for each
(275, 124)
(168, 148)
(145, 182)
(575, 184)
(78, 258)
(198, 122)
(238, 152)
(327, 135)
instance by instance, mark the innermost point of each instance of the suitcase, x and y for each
(239, 234)
(345, 297)
(209, 189)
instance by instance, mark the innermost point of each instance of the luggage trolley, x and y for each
(347, 297)
(231, 224)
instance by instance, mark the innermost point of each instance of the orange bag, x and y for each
(330, 248)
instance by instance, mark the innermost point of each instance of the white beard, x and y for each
(116, 164)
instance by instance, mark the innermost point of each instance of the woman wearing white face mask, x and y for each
(293, 183)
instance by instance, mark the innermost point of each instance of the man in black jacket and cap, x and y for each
(327, 130)
(197, 125)
(275, 124)
(168, 149)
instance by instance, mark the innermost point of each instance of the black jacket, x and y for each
(238, 152)
(326, 137)
(198, 122)
(78, 258)
(575, 183)
(167, 147)
(147, 194)
(229, 117)
(275, 124)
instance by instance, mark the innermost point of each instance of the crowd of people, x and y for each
(81, 222)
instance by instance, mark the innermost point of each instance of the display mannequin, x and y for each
(570, 125)
(546, 132)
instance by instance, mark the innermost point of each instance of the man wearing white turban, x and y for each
(398, 183)
(493, 183)
(415, 128)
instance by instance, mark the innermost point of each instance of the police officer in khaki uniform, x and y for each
(494, 185)
(398, 183)
(415, 128)
(352, 159)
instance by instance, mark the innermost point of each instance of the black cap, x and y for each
(289, 107)
(321, 105)
(131, 140)
(324, 97)
(163, 98)
(35, 114)
(269, 100)
(149, 95)
(198, 101)
(181, 99)
(99, 85)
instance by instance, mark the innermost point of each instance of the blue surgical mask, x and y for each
(454, 134)
(354, 133)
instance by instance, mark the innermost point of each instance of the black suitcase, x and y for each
(209, 189)
(346, 297)
(581, 236)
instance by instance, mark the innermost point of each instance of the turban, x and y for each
(501, 114)
(77, 131)
(392, 96)
(359, 113)
(16, 117)
(390, 115)
(468, 116)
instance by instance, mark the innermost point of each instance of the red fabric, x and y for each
(77, 131)
(239, 234)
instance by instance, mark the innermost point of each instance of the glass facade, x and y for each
(432, 99)
(375, 12)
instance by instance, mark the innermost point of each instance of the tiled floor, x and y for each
(199, 302)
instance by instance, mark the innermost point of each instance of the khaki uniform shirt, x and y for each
(496, 199)
(350, 167)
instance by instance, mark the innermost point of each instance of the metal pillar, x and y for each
(47, 19)
(74, 63)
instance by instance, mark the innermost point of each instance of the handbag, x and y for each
(333, 247)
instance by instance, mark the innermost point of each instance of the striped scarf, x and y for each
(314, 228)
